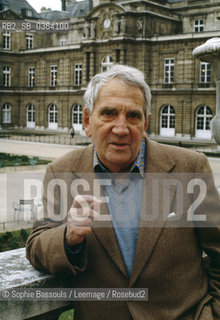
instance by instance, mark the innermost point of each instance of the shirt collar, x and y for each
(137, 166)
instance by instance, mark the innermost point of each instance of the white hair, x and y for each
(129, 75)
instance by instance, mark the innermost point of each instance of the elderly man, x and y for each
(127, 212)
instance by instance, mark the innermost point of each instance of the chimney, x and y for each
(63, 5)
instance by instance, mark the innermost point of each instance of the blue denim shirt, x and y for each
(125, 199)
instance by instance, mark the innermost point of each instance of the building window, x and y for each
(117, 53)
(205, 72)
(203, 122)
(77, 114)
(6, 76)
(29, 13)
(6, 113)
(78, 74)
(31, 76)
(63, 41)
(30, 116)
(6, 40)
(106, 63)
(198, 25)
(167, 121)
(53, 76)
(169, 71)
(52, 117)
(29, 41)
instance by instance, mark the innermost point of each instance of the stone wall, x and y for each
(17, 272)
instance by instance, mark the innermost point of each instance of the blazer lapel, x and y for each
(104, 231)
(102, 226)
(158, 164)
(106, 236)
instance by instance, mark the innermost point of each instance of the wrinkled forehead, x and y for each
(120, 89)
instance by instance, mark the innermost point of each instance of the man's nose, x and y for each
(120, 126)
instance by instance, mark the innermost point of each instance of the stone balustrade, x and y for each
(17, 272)
(57, 139)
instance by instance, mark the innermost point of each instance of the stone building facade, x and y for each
(44, 73)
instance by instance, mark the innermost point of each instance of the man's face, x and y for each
(117, 124)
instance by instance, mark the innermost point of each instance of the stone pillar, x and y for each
(92, 64)
(210, 52)
(84, 73)
(92, 30)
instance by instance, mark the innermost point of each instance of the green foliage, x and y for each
(13, 244)
(1, 244)
(6, 236)
(24, 234)
(3, 156)
(24, 158)
(7, 160)
(67, 315)
(14, 239)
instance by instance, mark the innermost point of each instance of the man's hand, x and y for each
(80, 218)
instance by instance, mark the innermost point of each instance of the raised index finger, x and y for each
(85, 201)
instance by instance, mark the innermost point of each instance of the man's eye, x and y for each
(134, 115)
(108, 113)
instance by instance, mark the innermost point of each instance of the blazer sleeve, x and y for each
(208, 232)
(45, 247)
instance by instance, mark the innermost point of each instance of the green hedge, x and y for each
(13, 240)
(7, 160)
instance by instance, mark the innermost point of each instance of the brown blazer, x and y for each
(168, 257)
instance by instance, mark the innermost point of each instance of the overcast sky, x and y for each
(38, 4)
(52, 4)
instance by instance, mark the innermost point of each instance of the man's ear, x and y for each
(146, 125)
(86, 123)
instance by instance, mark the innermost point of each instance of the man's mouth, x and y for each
(119, 145)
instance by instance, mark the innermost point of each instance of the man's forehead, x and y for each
(116, 84)
(118, 91)
(120, 107)
(128, 94)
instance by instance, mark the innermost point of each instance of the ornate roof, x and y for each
(79, 9)
(20, 7)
